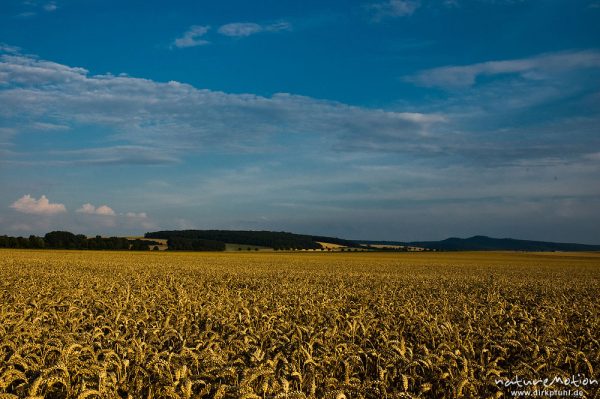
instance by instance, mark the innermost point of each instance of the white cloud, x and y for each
(535, 68)
(105, 211)
(42, 206)
(243, 29)
(393, 8)
(87, 208)
(51, 6)
(90, 209)
(192, 37)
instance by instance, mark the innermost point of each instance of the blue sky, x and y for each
(390, 119)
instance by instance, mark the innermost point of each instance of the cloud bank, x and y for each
(144, 122)
(156, 122)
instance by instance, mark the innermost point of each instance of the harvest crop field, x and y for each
(85, 324)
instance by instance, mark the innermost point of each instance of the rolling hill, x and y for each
(484, 243)
(271, 239)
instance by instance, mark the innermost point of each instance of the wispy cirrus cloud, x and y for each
(113, 155)
(240, 29)
(41, 206)
(26, 14)
(392, 9)
(196, 34)
(244, 29)
(53, 127)
(193, 37)
(51, 6)
(535, 68)
(33, 8)
(138, 215)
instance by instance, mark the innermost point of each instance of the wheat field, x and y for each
(82, 324)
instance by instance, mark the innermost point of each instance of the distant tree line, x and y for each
(276, 240)
(338, 241)
(388, 249)
(189, 244)
(68, 240)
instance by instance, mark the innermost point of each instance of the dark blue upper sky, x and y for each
(382, 119)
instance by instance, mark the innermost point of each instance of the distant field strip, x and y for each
(86, 324)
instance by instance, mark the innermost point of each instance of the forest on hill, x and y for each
(272, 239)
